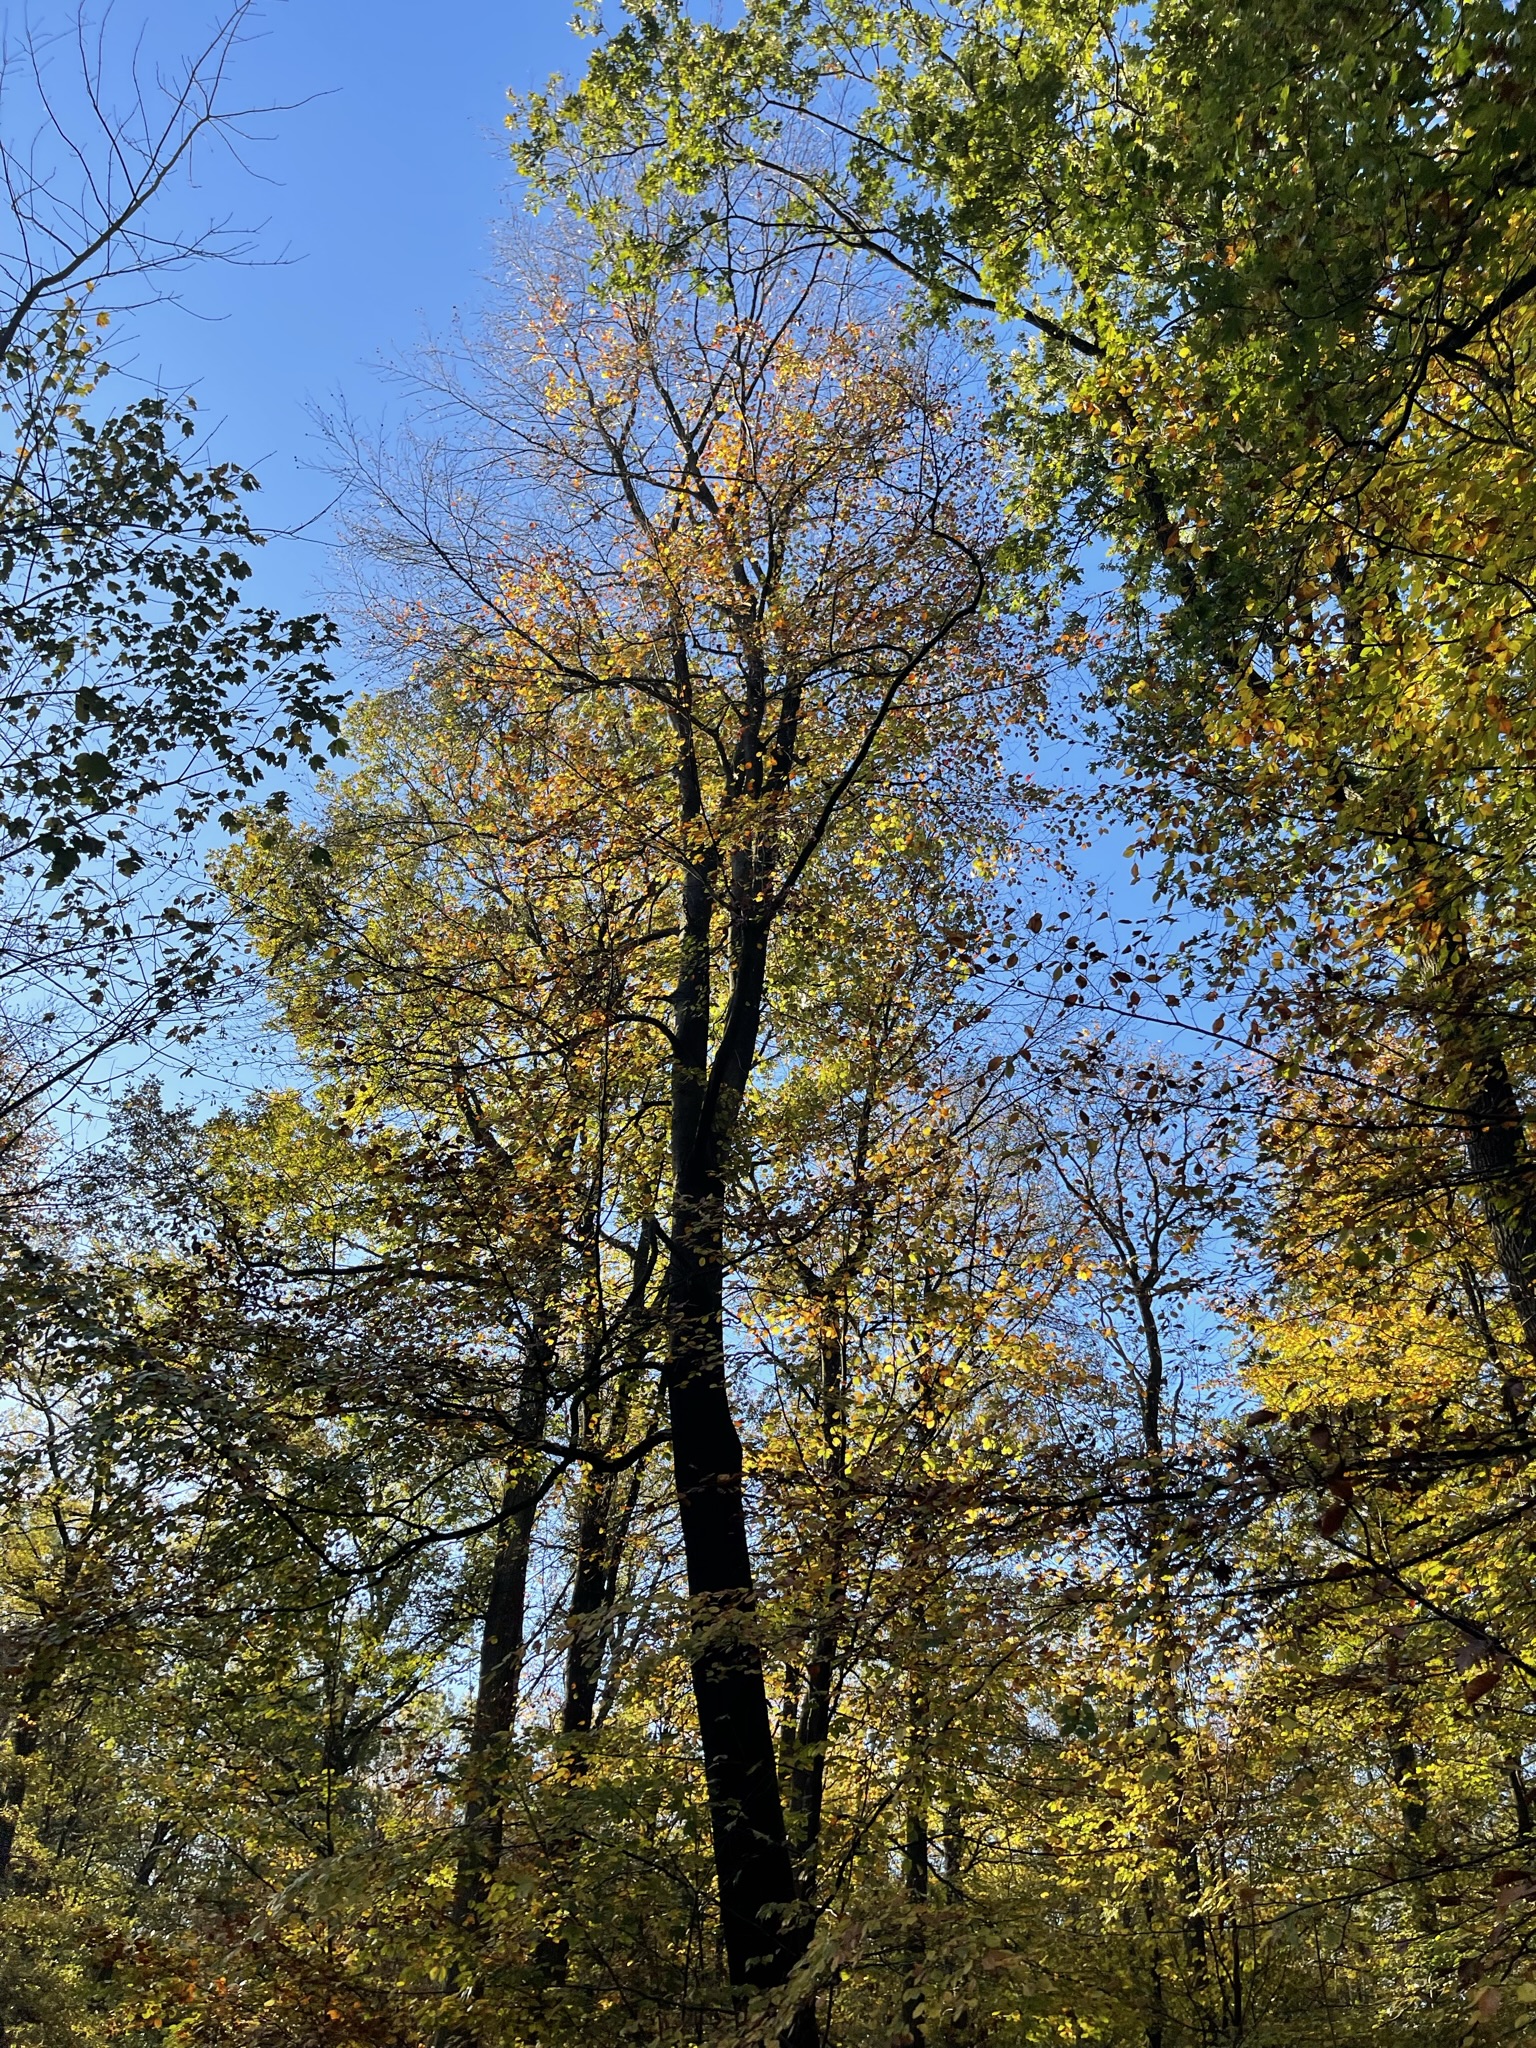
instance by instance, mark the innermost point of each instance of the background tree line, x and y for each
(819, 1419)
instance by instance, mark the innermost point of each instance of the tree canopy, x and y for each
(827, 1413)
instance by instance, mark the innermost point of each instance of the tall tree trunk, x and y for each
(502, 1633)
(808, 1765)
(759, 1923)
(917, 1850)
(607, 1506)
(808, 1761)
(610, 1492)
(607, 1509)
(591, 1598)
(45, 1667)
(25, 1734)
(763, 1931)
(1163, 1658)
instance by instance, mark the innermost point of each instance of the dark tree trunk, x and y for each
(609, 1495)
(502, 1633)
(808, 1764)
(1418, 1835)
(1502, 1170)
(763, 1932)
(161, 1838)
(763, 1929)
(591, 1598)
(916, 1870)
(608, 1501)
(607, 1507)
(808, 1771)
(24, 1737)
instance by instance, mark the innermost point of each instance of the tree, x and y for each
(754, 597)
(1279, 288)
(207, 1588)
(143, 697)
(140, 698)
(678, 1073)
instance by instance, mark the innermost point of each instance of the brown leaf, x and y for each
(1485, 1681)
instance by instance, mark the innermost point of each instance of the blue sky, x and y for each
(373, 206)
(373, 202)
(380, 193)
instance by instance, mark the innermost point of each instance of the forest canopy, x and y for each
(873, 1381)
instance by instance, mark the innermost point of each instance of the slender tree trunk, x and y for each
(496, 1695)
(592, 1593)
(502, 1633)
(161, 1838)
(25, 1734)
(1521, 1795)
(917, 1854)
(1167, 1712)
(502, 1644)
(916, 1861)
(1157, 2016)
(607, 1506)
(808, 1766)
(609, 1496)
(807, 1774)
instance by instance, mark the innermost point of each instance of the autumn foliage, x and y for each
(871, 1384)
